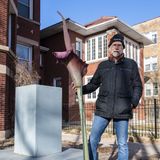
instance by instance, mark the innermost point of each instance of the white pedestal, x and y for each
(38, 120)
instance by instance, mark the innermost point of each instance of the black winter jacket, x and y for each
(120, 88)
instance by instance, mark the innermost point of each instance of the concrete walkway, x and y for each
(149, 150)
(70, 154)
(108, 148)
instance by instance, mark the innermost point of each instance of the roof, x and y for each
(101, 24)
(100, 20)
(146, 21)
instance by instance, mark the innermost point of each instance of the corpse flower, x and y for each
(77, 69)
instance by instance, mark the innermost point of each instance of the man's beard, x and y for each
(116, 54)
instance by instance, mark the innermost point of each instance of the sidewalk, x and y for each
(72, 150)
(70, 154)
(149, 150)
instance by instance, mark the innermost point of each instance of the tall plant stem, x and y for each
(83, 123)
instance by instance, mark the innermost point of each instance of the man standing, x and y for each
(120, 91)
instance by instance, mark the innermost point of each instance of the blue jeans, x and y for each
(98, 127)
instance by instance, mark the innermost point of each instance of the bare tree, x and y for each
(25, 75)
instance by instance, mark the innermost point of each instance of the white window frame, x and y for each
(129, 47)
(150, 36)
(29, 60)
(150, 85)
(150, 61)
(154, 88)
(79, 49)
(90, 40)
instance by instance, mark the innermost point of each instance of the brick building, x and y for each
(19, 37)
(90, 44)
(151, 29)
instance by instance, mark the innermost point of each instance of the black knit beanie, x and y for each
(117, 37)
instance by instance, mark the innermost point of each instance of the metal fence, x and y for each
(145, 122)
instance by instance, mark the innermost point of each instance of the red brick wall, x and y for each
(7, 87)
(7, 93)
(28, 29)
(14, 33)
(36, 8)
(3, 22)
(3, 57)
(2, 101)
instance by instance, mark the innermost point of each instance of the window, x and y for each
(93, 49)
(129, 50)
(10, 31)
(105, 46)
(25, 8)
(24, 54)
(136, 54)
(99, 47)
(147, 67)
(57, 82)
(148, 89)
(155, 89)
(154, 66)
(96, 48)
(151, 89)
(126, 48)
(150, 63)
(79, 48)
(88, 50)
(152, 36)
(132, 50)
(92, 96)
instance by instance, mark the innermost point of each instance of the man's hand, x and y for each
(74, 87)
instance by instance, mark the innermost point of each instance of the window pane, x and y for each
(94, 94)
(26, 2)
(78, 48)
(22, 52)
(24, 8)
(155, 89)
(147, 67)
(89, 96)
(57, 82)
(136, 53)
(154, 38)
(129, 50)
(99, 47)
(148, 89)
(154, 66)
(88, 50)
(93, 49)
(148, 92)
(105, 46)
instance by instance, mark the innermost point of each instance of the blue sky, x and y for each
(85, 11)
